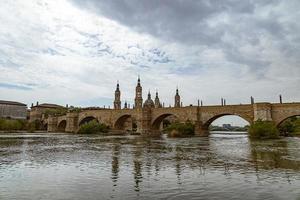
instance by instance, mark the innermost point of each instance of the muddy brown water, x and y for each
(221, 166)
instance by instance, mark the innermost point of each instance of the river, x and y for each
(221, 166)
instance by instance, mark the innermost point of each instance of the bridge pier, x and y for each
(200, 130)
(72, 122)
(52, 124)
(262, 111)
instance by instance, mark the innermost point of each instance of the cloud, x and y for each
(228, 25)
(13, 86)
(74, 51)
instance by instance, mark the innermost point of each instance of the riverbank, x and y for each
(24, 132)
(21, 131)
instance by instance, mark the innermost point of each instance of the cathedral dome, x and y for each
(149, 102)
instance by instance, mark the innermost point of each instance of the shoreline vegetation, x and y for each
(20, 125)
(263, 130)
(10, 125)
(93, 127)
(290, 127)
(178, 129)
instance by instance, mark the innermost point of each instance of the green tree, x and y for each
(287, 128)
(263, 130)
(290, 126)
(55, 111)
(178, 129)
(12, 124)
(93, 127)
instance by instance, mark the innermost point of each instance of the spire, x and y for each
(156, 100)
(149, 95)
(118, 86)
(139, 81)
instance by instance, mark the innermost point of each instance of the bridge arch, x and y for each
(62, 125)
(289, 125)
(120, 123)
(286, 118)
(207, 123)
(87, 120)
(156, 123)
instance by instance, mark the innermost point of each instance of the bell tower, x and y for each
(177, 99)
(138, 95)
(117, 102)
(156, 101)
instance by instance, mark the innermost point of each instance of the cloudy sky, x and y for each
(74, 51)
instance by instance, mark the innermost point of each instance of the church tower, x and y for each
(156, 101)
(138, 95)
(177, 99)
(117, 102)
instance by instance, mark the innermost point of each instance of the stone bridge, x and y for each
(149, 120)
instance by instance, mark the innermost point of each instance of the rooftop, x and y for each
(48, 105)
(12, 103)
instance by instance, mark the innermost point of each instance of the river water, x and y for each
(221, 166)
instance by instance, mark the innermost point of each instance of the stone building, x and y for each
(13, 110)
(37, 111)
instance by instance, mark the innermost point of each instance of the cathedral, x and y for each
(138, 100)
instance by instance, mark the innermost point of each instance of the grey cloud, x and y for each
(176, 20)
(190, 22)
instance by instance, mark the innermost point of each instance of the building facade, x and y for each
(37, 111)
(13, 110)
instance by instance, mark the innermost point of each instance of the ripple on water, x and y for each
(132, 167)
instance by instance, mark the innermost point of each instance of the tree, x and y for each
(93, 127)
(178, 129)
(263, 130)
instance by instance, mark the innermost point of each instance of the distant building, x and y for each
(227, 126)
(37, 111)
(13, 110)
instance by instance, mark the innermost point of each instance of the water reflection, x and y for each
(219, 166)
(116, 149)
(275, 154)
(137, 166)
